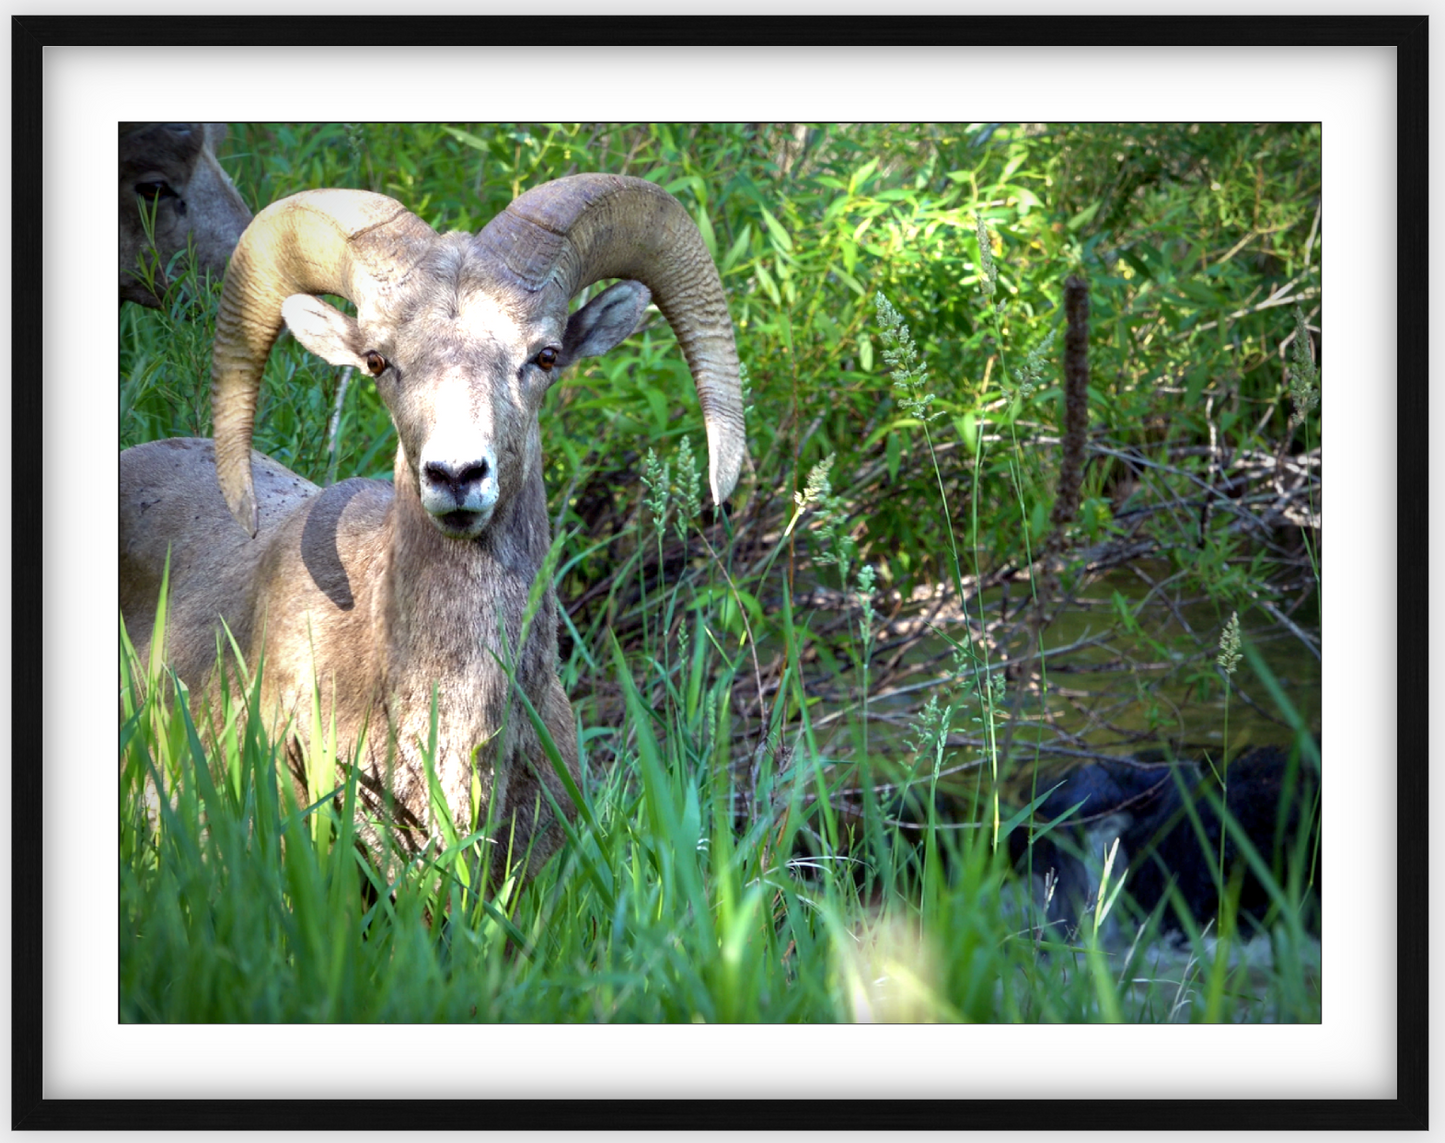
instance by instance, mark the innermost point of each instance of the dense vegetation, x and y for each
(812, 722)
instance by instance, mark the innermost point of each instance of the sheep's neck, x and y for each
(451, 609)
(450, 616)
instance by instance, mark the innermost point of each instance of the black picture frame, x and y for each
(1408, 35)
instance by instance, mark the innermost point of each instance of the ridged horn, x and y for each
(574, 231)
(346, 242)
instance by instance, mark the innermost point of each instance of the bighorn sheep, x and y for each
(170, 169)
(377, 592)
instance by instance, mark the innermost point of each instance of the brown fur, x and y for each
(171, 168)
(380, 620)
(383, 596)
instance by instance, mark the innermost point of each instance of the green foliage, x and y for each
(1193, 238)
(239, 904)
(785, 793)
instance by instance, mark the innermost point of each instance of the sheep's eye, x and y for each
(375, 363)
(153, 189)
(547, 358)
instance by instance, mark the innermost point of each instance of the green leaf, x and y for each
(1198, 376)
(1027, 200)
(769, 286)
(851, 282)
(862, 174)
(775, 228)
(704, 226)
(967, 427)
(1137, 263)
(1022, 814)
(694, 183)
(465, 137)
(658, 403)
(1016, 160)
(1086, 216)
(738, 248)
(724, 602)
(1198, 292)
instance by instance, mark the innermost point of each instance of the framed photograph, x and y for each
(82, 1059)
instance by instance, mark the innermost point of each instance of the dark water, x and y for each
(1147, 687)
(1163, 680)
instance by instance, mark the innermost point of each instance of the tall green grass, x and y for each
(238, 904)
(673, 901)
(753, 840)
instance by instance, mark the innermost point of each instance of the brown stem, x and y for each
(1076, 401)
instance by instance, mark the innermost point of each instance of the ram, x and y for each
(169, 171)
(381, 595)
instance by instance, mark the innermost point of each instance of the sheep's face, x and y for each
(463, 371)
(172, 187)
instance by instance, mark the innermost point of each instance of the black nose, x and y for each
(456, 479)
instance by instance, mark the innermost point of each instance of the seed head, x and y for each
(901, 355)
(989, 285)
(1228, 658)
(658, 480)
(1304, 374)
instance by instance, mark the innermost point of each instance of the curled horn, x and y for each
(574, 231)
(345, 242)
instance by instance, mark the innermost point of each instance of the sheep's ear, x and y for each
(323, 329)
(604, 321)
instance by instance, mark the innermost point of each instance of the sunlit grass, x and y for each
(746, 846)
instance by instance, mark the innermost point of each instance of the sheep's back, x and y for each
(171, 505)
